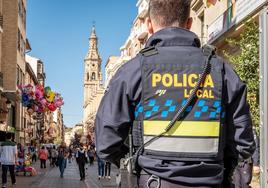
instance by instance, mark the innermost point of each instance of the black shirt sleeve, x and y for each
(114, 118)
(238, 120)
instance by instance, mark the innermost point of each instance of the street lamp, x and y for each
(8, 105)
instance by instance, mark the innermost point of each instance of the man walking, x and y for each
(183, 105)
(81, 159)
(9, 156)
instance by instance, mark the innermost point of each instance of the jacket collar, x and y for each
(173, 37)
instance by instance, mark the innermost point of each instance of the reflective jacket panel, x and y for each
(168, 79)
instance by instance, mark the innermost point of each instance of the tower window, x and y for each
(87, 76)
(93, 76)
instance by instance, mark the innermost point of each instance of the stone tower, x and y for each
(93, 86)
(92, 61)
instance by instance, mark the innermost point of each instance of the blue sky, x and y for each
(58, 31)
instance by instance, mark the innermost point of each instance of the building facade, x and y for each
(214, 22)
(54, 129)
(3, 109)
(134, 43)
(1, 34)
(60, 125)
(36, 120)
(29, 120)
(93, 86)
(13, 67)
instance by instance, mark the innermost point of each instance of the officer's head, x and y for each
(168, 13)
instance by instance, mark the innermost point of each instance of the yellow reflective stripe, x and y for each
(183, 128)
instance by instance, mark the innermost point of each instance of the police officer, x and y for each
(148, 92)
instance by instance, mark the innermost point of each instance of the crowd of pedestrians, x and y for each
(16, 157)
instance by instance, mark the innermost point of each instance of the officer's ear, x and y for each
(149, 25)
(189, 23)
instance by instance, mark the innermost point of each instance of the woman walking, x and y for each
(43, 155)
(81, 158)
(62, 157)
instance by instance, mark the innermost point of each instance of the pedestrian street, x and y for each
(50, 178)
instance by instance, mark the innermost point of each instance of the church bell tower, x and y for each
(92, 74)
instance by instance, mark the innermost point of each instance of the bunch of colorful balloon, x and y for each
(40, 99)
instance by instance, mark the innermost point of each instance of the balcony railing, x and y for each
(221, 24)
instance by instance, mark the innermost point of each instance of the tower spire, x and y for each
(93, 31)
(93, 52)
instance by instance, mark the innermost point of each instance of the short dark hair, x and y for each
(168, 13)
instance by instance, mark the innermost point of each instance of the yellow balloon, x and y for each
(50, 96)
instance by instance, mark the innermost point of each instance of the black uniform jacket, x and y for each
(116, 114)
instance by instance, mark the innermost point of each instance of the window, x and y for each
(39, 68)
(87, 76)
(22, 12)
(11, 117)
(24, 123)
(21, 43)
(93, 76)
(1, 23)
(20, 76)
(18, 42)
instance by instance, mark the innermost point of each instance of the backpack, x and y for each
(54, 153)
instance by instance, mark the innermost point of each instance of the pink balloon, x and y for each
(43, 102)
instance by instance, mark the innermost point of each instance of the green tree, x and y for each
(246, 64)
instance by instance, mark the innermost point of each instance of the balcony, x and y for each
(220, 25)
(143, 6)
(142, 32)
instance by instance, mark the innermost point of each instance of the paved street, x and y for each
(50, 178)
(92, 180)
